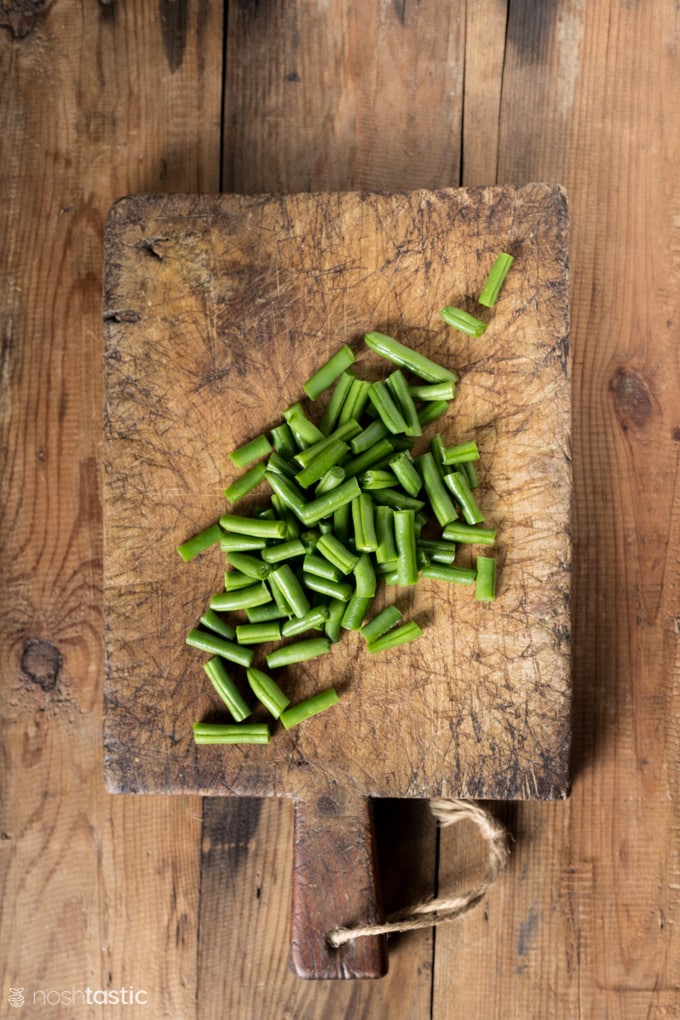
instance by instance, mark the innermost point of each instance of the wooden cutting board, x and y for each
(217, 310)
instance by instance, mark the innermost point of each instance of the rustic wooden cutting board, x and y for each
(217, 309)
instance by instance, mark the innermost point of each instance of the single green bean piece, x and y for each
(440, 501)
(283, 441)
(253, 526)
(485, 588)
(405, 357)
(267, 692)
(333, 408)
(319, 565)
(241, 543)
(463, 321)
(364, 577)
(213, 621)
(246, 483)
(200, 542)
(395, 637)
(283, 551)
(278, 596)
(315, 619)
(379, 452)
(288, 492)
(372, 434)
(433, 391)
(292, 590)
(380, 624)
(461, 453)
(242, 598)
(268, 611)
(305, 432)
(312, 706)
(325, 376)
(453, 575)
(405, 541)
(342, 522)
(328, 503)
(437, 549)
(326, 586)
(363, 520)
(299, 651)
(387, 410)
(431, 411)
(396, 499)
(281, 466)
(378, 478)
(406, 472)
(249, 452)
(459, 532)
(458, 484)
(215, 645)
(344, 433)
(470, 472)
(495, 280)
(337, 554)
(250, 565)
(355, 401)
(226, 688)
(355, 611)
(231, 733)
(258, 633)
(384, 529)
(331, 455)
(333, 625)
(234, 580)
(333, 477)
(398, 387)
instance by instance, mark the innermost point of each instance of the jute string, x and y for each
(443, 908)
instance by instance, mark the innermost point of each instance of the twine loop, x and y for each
(438, 910)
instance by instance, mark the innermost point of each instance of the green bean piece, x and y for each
(283, 551)
(437, 449)
(246, 483)
(355, 401)
(268, 611)
(213, 621)
(364, 577)
(405, 541)
(281, 466)
(406, 472)
(200, 542)
(299, 651)
(398, 387)
(405, 357)
(231, 733)
(333, 408)
(258, 633)
(288, 492)
(312, 706)
(235, 580)
(363, 521)
(285, 514)
(485, 588)
(396, 499)
(241, 543)
(387, 409)
(242, 598)
(310, 539)
(326, 586)
(440, 501)
(355, 611)
(215, 645)
(250, 565)
(253, 526)
(433, 391)
(283, 440)
(278, 596)
(372, 434)
(291, 588)
(380, 624)
(333, 625)
(458, 484)
(459, 532)
(267, 692)
(432, 411)
(249, 452)
(461, 453)
(328, 503)
(463, 321)
(315, 619)
(344, 433)
(226, 688)
(342, 522)
(495, 280)
(453, 575)
(313, 564)
(337, 554)
(333, 477)
(437, 549)
(325, 376)
(379, 452)
(305, 432)
(386, 551)
(470, 472)
(395, 637)
(331, 455)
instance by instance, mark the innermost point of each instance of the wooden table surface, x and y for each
(184, 903)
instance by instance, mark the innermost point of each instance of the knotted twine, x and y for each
(447, 908)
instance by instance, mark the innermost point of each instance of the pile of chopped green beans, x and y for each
(351, 504)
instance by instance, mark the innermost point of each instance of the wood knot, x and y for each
(41, 662)
(21, 16)
(632, 398)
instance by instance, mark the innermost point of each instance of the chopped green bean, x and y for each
(456, 531)
(305, 432)
(267, 692)
(438, 550)
(236, 579)
(454, 575)
(380, 624)
(355, 401)
(405, 357)
(226, 688)
(315, 619)
(246, 483)
(406, 472)
(405, 541)
(283, 441)
(397, 385)
(434, 391)
(242, 598)
(215, 645)
(485, 588)
(396, 499)
(312, 706)
(395, 637)
(281, 466)
(364, 577)
(249, 452)
(335, 404)
(440, 501)
(328, 503)
(322, 567)
(299, 651)
(355, 611)
(258, 633)
(363, 520)
(333, 477)
(253, 526)
(213, 621)
(325, 586)
(386, 551)
(250, 565)
(231, 733)
(292, 590)
(495, 280)
(461, 453)
(463, 321)
(200, 542)
(431, 411)
(331, 455)
(267, 611)
(379, 452)
(345, 433)
(337, 554)
(458, 484)
(372, 434)
(378, 478)
(332, 627)
(325, 376)
(387, 410)
(283, 551)
(241, 543)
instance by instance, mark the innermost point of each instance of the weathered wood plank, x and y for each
(97, 892)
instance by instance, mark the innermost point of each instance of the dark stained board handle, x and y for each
(335, 885)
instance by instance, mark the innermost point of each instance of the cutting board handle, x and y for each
(335, 885)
